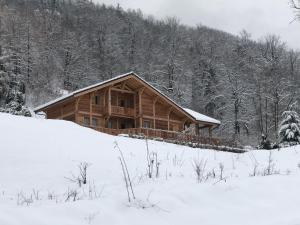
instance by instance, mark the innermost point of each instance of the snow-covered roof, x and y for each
(197, 116)
(201, 117)
(63, 97)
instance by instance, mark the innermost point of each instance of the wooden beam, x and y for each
(117, 86)
(140, 92)
(154, 112)
(66, 115)
(209, 131)
(123, 85)
(169, 112)
(117, 100)
(205, 126)
(121, 90)
(183, 122)
(134, 108)
(76, 110)
(197, 129)
(93, 114)
(91, 107)
(109, 83)
(162, 119)
(109, 101)
(104, 100)
(127, 88)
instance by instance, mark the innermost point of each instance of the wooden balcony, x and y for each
(122, 111)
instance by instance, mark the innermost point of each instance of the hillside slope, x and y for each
(38, 156)
(50, 47)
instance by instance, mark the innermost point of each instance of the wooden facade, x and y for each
(126, 104)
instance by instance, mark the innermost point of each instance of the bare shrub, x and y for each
(254, 171)
(125, 172)
(82, 177)
(221, 173)
(72, 195)
(93, 193)
(23, 199)
(178, 161)
(199, 168)
(51, 195)
(152, 162)
(270, 169)
(83, 166)
(36, 194)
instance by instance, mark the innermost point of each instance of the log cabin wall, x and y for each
(91, 108)
(62, 111)
(147, 105)
(54, 112)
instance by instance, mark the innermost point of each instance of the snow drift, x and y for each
(39, 158)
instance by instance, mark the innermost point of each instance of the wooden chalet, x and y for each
(127, 104)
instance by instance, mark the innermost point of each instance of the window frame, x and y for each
(109, 124)
(146, 122)
(86, 121)
(96, 99)
(93, 120)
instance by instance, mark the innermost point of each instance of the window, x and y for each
(109, 124)
(96, 100)
(94, 122)
(86, 121)
(147, 124)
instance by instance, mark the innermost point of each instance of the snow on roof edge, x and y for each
(201, 117)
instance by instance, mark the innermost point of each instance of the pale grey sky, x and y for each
(259, 17)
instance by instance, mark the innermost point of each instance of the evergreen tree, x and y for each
(290, 127)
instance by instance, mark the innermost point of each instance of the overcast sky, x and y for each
(259, 17)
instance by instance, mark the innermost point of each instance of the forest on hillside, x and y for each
(48, 47)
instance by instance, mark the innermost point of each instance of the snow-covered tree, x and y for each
(290, 127)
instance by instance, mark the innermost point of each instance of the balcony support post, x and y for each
(140, 92)
(154, 112)
(109, 101)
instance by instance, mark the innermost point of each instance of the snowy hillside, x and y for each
(39, 158)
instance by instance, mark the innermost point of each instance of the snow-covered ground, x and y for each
(39, 157)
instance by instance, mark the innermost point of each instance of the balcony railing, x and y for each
(122, 111)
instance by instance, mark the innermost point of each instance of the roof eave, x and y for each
(45, 106)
